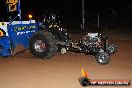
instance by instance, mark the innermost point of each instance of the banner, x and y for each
(12, 5)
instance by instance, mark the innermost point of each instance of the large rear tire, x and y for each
(43, 44)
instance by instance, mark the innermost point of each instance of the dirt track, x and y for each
(63, 71)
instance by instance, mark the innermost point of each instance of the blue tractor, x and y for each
(44, 38)
(42, 44)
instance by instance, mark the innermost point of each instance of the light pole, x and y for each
(98, 21)
(19, 9)
(83, 16)
(30, 17)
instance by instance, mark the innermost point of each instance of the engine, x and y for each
(91, 43)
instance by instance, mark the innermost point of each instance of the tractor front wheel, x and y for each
(112, 49)
(102, 58)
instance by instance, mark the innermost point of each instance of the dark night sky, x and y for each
(71, 9)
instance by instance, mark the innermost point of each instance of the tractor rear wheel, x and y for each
(43, 44)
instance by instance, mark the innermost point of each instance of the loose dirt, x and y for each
(63, 71)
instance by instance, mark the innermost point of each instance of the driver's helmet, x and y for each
(53, 17)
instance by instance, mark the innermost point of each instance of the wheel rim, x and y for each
(63, 51)
(111, 49)
(39, 46)
(102, 59)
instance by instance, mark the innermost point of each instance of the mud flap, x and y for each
(5, 46)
